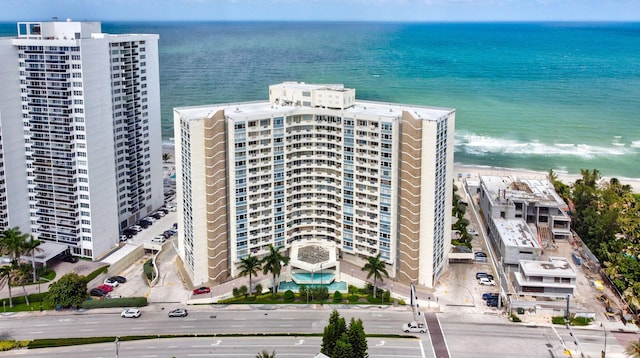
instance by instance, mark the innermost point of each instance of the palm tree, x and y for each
(12, 243)
(633, 349)
(266, 354)
(249, 265)
(375, 267)
(21, 276)
(273, 263)
(6, 273)
(30, 247)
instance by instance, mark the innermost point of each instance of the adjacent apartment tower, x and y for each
(314, 164)
(80, 129)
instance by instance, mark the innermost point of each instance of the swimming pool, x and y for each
(308, 278)
(332, 287)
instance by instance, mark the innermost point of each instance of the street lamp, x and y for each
(117, 346)
(604, 351)
(321, 288)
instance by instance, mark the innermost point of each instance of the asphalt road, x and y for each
(465, 335)
(226, 347)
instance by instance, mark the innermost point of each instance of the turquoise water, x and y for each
(315, 278)
(334, 286)
(528, 95)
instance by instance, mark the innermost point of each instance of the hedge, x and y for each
(115, 302)
(97, 272)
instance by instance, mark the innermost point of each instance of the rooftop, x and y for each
(515, 232)
(506, 188)
(263, 109)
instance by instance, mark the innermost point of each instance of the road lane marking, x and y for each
(37, 332)
(188, 326)
(286, 325)
(42, 325)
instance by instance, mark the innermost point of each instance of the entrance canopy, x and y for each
(46, 251)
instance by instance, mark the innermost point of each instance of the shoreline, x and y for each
(478, 170)
(475, 171)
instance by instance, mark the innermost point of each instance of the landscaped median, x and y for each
(63, 342)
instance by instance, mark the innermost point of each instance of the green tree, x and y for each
(266, 354)
(343, 348)
(69, 291)
(332, 332)
(31, 246)
(249, 265)
(22, 276)
(633, 349)
(166, 157)
(273, 263)
(375, 267)
(12, 243)
(6, 274)
(357, 339)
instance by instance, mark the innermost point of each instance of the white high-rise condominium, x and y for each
(314, 165)
(80, 127)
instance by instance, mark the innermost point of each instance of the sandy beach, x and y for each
(474, 171)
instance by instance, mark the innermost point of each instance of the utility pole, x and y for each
(117, 346)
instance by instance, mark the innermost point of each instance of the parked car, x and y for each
(130, 313)
(169, 233)
(201, 290)
(96, 292)
(480, 275)
(604, 298)
(120, 279)
(172, 207)
(179, 312)
(480, 254)
(111, 282)
(472, 231)
(493, 302)
(489, 295)
(156, 216)
(159, 239)
(174, 226)
(165, 211)
(487, 282)
(144, 224)
(70, 258)
(136, 228)
(129, 232)
(105, 288)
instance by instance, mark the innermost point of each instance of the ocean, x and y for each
(536, 96)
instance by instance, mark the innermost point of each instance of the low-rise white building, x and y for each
(553, 278)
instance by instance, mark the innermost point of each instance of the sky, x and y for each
(321, 10)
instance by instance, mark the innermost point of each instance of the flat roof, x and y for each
(515, 232)
(555, 267)
(501, 188)
(265, 109)
(46, 251)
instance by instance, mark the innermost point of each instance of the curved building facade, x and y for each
(312, 164)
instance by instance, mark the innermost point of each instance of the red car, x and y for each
(105, 288)
(201, 290)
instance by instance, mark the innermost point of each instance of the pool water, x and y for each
(332, 287)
